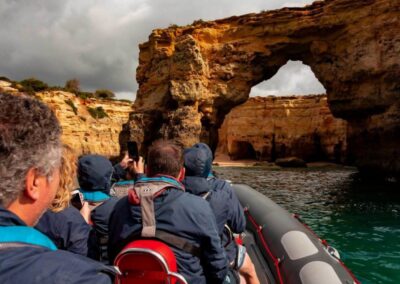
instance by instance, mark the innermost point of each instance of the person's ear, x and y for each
(181, 175)
(33, 184)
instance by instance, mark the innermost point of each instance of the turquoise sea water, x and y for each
(360, 219)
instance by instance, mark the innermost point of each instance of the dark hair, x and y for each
(164, 157)
(29, 138)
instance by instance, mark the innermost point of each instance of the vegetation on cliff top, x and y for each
(32, 85)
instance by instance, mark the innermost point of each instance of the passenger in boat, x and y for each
(30, 156)
(228, 212)
(94, 177)
(183, 217)
(63, 223)
(120, 169)
(133, 172)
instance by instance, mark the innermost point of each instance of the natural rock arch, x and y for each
(190, 77)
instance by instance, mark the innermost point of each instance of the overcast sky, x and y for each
(96, 41)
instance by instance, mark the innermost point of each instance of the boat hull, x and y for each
(283, 249)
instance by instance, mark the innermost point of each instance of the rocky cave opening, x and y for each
(242, 150)
(276, 121)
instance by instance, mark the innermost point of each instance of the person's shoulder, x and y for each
(121, 203)
(76, 268)
(45, 266)
(194, 203)
(221, 184)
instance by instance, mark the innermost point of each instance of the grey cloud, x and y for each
(294, 78)
(97, 41)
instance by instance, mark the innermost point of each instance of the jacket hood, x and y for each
(94, 177)
(196, 185)
(198, 160)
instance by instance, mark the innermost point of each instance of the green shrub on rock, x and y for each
(72, 105)
(33, 85)
(104, 94)
(97, 113)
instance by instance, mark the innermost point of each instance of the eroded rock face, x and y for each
(84, 133)
(352, 47)
(270, 128)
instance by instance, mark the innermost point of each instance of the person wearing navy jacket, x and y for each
(94, 177)
(185, 216)
(30, 154)
(62, 223)
(227, 209)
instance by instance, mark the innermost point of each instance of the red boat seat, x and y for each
(147, 262)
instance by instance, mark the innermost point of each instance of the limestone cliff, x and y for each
(81, 131)
(205, 69)
(268, 128)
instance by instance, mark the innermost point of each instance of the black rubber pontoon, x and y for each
(283, 249)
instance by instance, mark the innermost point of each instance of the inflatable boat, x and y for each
(285, 250)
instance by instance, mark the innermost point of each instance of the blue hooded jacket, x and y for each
(36, 260)
(94, 176)
(67, 229)
(222, 198)
(184, 215)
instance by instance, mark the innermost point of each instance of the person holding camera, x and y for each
(63, 223)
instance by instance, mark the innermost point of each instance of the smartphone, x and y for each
(77, 199)
(133, 150)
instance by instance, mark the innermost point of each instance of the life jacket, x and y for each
(19, 236)
(146, 259)
(143, 193)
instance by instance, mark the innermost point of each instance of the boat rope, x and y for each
(258, 228)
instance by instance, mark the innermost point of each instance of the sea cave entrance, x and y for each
(286, 115)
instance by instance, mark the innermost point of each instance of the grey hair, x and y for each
(29, 138)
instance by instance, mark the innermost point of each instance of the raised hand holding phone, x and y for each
(77, 199)
(133, 150)
(138, 166)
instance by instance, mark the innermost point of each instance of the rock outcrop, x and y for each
(190, 77)
(269, 128)
(85, 134)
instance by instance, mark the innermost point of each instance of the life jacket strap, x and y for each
(145, 191)
(174, 241)
(16, 236)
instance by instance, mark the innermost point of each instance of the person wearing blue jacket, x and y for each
(30, 155)
(227, 209)
(187, 217)
(64, 224)
(68, 230)
(94, 177)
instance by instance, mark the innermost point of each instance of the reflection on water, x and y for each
(360, 219)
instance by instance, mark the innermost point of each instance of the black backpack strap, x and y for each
(171, 240)
(178, 242)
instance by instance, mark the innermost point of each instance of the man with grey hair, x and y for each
(30, 155)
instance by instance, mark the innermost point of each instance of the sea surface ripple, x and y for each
(360, 219)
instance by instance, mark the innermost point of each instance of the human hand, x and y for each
(126, 161)
(137, 167)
